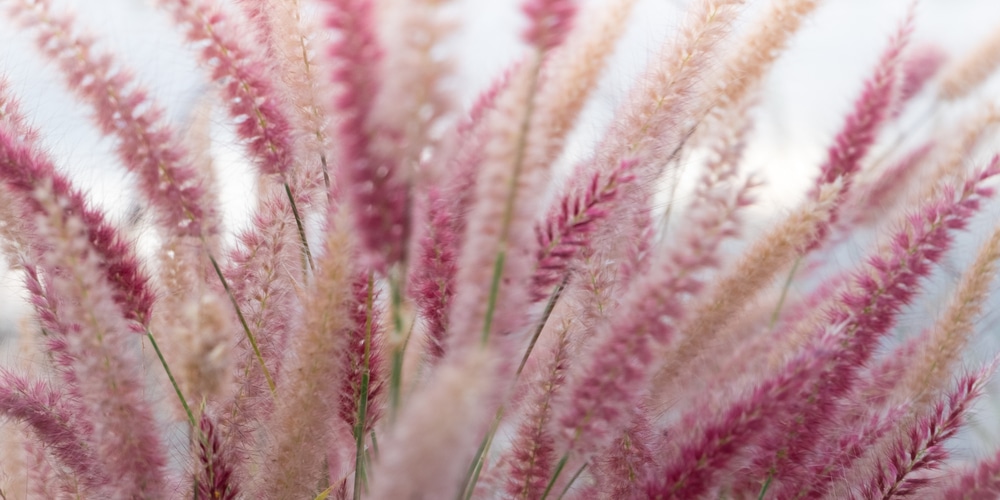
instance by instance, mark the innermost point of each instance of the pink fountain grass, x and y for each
(860, 130)
(377, 190)
(921, 447)
(214, 479)
(146, 145)
(473, 323)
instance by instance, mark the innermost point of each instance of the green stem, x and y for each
(243, 322)
(784, 292)
(549, 306)
(476, 468)
(494, 293)
(359, 426)
(173, 381)
(398, 340)
(300, 226)
(572, 480)
(765, 487)
(519, 153)
(555, 475)
(472, 477)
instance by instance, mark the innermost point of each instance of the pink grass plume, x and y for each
(214, 479)
(252, 98)
(23, 169)
(377, 189)
(52, 421)
(568, 227)
(920, 447)
(871, 110)
(122, 108)
(611, 376)
(867, 310)
(549, 22)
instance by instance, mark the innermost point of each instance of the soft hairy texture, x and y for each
(265, 290)
(567, 229)
(717, 184)
(300, 428)
(612, 375)
(646, 129)
(919, 69)
(955, 155)
(13, 473)
(865, 312)
(620, 469)
(969, 72)
(840, 454)
(942, 347)
(195, 324)
(494, 264)
(104, 354)
(214, 476)
(301, 69)
(918, 445)
(23, 169)
(252, 99)
(870, 112)
(735, 287)
(667, 91)
(530, 460)
(40, 407)
(570, 75)
(697, 459)
(548, 22)
(888, 190)
(428, 456)
(411, 104)
(979, 482)
(451, 172)
(376, 182)
(364, 354)
(757, 51)
(419, 303)
(146, 145)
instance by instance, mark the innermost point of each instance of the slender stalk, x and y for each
(555, 475)
(300, 226)
(359, 426)
(243, 322)
(765, 486)
(784, 292)
(173, 381)
(522, 142)
(549, 306)
(572, 480)
(398, 341)
(494, 293)
(472, 477)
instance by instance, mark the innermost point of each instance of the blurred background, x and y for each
(807, 95)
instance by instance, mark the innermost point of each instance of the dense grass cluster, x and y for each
(421, 307)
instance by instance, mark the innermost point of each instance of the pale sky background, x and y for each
(808, 93)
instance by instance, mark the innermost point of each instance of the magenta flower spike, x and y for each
(377, 189)
(871, 110)
(54, 424)
(24, 169)
(921, 447)
(549, 21)
(252, 98)
(122, 108)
